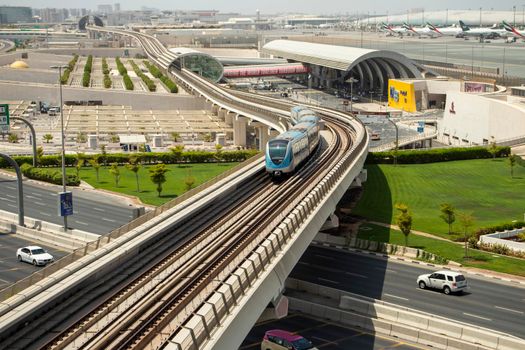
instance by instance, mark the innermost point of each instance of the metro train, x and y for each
(290, 149)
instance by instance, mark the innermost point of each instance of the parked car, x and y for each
(447, 281)
(34, 255)
(282, 340)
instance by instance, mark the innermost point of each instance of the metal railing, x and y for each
(105, 239)
(403, 142)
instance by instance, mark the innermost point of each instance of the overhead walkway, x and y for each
(265, 70)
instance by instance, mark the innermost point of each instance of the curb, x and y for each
(386, 256)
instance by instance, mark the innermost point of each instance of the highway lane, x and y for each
(92, 212)
(490, 304)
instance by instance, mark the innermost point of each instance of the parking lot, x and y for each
(11, 270)
(323, 335)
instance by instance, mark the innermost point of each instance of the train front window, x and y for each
(277, 150)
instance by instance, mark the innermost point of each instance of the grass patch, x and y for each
(448, 250)
(173, 187)
(483, 187)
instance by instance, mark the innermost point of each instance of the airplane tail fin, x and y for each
(508, 27)
(464, 26)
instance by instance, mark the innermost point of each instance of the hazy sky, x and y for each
(277, 6)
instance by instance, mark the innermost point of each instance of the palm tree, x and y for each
(177, 153)
(158, 175)
(96, 165)
(175, 136)
(47, 137)
(218, 153)
(512, 163)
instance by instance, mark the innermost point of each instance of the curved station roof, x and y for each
(199, 62)
(375, 64)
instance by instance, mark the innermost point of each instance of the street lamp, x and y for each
(397, 137)
(352, 80)
(62, 134)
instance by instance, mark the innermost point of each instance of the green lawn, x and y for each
(483, 187)
(173, 187)
(449, 250)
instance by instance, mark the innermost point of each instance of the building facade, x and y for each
(15, 14)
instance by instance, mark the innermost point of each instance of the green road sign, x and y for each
(4, 118)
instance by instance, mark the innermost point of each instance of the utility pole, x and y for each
(446, 18)
(514, 9)
(480, 22)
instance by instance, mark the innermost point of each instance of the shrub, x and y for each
(70, 66)
(434, 155)
(107, 81)
(51, 176)
(120, 66)
(89, 64)
(170, 84)
(105, 67)
(499, 228)
(127, 82)
(86, 79)
(149, 83)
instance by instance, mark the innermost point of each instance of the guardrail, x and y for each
(105, 239)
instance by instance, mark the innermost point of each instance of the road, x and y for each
(6, 45)
(494, 305)
(93, 212)
(323, 335)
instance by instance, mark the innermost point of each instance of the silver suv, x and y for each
(447, 281)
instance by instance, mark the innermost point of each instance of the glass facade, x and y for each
(204, 65)
(15, 14)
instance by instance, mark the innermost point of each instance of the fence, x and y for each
(497, 238)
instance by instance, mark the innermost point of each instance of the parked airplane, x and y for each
(392, 30)
(488, 33)
(421, 31)
(512, 30)
(446, 31)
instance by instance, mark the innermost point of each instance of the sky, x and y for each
(280, 6)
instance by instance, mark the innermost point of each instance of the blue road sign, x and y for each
(65, 203)
(421, 127)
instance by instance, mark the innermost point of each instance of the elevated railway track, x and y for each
(146, 292)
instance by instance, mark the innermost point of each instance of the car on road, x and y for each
(34, 255)
(447, 281)
(277, 339)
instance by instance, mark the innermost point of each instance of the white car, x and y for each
(34, 255)
(447, 281)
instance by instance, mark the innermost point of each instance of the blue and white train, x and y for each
(287, 151)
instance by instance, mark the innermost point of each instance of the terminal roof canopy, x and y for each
(342, 58)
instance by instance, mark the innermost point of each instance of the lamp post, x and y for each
(62, 135)
(397, 137)
(352, 80)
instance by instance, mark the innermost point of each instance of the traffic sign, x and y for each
(4, 118)
(421, 127)
(65, 203)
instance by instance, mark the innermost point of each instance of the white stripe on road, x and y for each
(11, 205)
(82, 223)
(355, 274)
(325, 257)
(395, 296)
(304, 263)
(510, 310)
(476, 316)
(10, 196)
(11, 187)
(45, 214)
(36, 194)
(110, 220)
(39, 203)
(329, 281)
(98, 209)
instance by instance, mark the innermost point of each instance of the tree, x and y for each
(114, 170)
(404, 220)
(218, 153)
(96, 165)
(103, 153)
(207, 138)
(177, 153)
(448, 215)
(114, 138)
(134, 166)
(493, 148)
(512, 163)
(157, 175)
(39, 153)
(467, 221)
(81, 137)
(47, 137)
(175, 136)
(81, 159)
(189, 181)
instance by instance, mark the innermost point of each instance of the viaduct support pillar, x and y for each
(263, 132)
(239, 131)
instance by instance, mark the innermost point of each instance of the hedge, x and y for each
(47, 175)
(89, 64)
(435, 155)
(70, 66)
(86, 79)
(144, 157)
(121, 69)
(127, 82)
(499, 228)
(170, 84)
(107, 81)
(105, 67)
(149, 83)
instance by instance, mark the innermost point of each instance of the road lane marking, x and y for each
(98, 209)
(355, 274)
(11, 205)
(395, 296)
(11, 187)
(82, 223)
(36, 194)
(110, 220)
(304, 263)
(10, 196)
(510, 310)
(39, 203)
(329, 281)
(45, 214)
(476, 316)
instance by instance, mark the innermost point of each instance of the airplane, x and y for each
(446, 31)
(489, 33)
(392, 30)
(512, 30)
(419, 30)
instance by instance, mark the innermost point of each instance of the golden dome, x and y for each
(19, 65)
